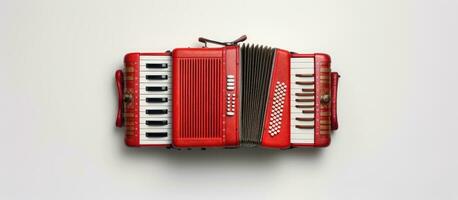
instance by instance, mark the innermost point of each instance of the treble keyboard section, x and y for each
(155, 100)
(302, 101)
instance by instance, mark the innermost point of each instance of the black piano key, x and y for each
(156, 100)
(308, 111)
(155, 112)
(305, 126)
(156, 88)
(156, 134)
(156, 77)
(305, 82)
(156, 65)
(304, 75)
(156, 122)
(308, 90)
(304, 106)
(305, 118)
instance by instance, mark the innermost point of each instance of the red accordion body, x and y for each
(227, 97)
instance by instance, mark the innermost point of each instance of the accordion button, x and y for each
(230, 76)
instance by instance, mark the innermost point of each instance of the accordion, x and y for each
(229, 96)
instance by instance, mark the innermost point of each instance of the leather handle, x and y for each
(205, 41)
(334, 83)
(120, 85)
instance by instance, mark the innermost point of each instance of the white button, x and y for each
(230, 84)
(230, 113)
(230, 80)
(230, 87)
(230, 76)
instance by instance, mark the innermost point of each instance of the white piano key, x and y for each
(308, 79)
(302, 66)
(296, 130)
(295, 71)
(298, 113)
(301, 136)
(156, 129)
(156, 95)
(302, 60)
(145, 116)
(143, 57)
(143, 126)
(158, 107)
(143, 79)
(143, 103)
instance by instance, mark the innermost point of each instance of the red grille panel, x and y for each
(200, 104)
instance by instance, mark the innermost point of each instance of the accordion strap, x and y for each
(240, 39)
(120, 85)
(334, 83)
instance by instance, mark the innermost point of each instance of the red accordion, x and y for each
(231, 96)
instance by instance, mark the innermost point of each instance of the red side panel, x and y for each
(131, 109)
(276, 131)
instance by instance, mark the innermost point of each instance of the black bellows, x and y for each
(256, 64)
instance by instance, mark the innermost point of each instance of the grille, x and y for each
(201, 98)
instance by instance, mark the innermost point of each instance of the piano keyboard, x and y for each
(155, 100)
(302, 101)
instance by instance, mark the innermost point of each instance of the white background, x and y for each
(397, 100)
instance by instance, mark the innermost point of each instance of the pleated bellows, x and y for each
(256, 64)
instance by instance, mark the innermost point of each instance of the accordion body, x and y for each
(229, 96)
